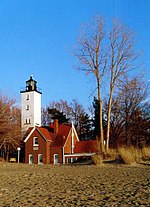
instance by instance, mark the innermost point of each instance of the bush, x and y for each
(111, 154)
(130, 155)
(97, 159)
(146, 153)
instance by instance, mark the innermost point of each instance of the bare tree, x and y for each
(128, 121)
(10, 128)
(121, 60)
(99, 52)
(92, 58)
(62, 106)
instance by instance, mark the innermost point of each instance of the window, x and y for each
(27, 107)
(27, 97)
(35, 141)
(31, 159)
(27, 121)
(56, 159)
(40, 158)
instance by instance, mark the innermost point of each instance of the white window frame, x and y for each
(35, 144)
(39, 157)
(55, 159)
(31, 162)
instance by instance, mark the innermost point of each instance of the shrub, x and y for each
(130, 155)
(111, 154)
(146, 153)
(97, 159)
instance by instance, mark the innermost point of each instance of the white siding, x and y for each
(30, 110)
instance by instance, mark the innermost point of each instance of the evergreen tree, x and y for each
(85, 127)
(96, 119)
(56, 114)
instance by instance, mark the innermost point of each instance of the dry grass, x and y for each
(127, 155)
(111, 154)
(146, 153)
(130, 155)
(97, 159)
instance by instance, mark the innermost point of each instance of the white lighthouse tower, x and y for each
(30, 105)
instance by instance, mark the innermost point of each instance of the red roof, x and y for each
(86, 146)
(48, 135)
(59, 139)
(61, 136)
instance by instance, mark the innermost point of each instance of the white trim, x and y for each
(63, 155)
(54, 159)
(30, 159)
(79, 154)
(35, 145)
(74, 130)
(72, 139)
(42, 135)
(35, 128)
(26, 139)
(67, 138)
(39, 159)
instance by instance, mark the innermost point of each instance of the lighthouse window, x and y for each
(27, 97)
(27, 107)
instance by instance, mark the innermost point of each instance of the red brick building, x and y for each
(55, 144)
(50, 144)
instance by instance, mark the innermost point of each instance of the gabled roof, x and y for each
(45, 133)
(61, 136)
(86, 146)
(59, 139)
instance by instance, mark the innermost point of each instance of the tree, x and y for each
(106, 56)
(92, 59)
(96, 119)
(121, 60)
(85, 131)
(56, 114)
(73, 112)
(129, 117)
(62, 106)
(10, 126)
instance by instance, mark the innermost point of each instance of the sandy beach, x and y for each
(57, 185)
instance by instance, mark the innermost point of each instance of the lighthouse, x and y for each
(30, 105)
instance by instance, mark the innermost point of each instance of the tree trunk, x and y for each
(101, 117)
(101, 126)
(108, 119)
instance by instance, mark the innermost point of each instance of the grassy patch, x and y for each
(130, 155)
(97, 159)
(146, 153)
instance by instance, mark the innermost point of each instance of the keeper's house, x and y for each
(48, 144)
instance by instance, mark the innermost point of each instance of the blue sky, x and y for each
(36, 37)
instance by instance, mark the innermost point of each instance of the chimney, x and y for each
(55, 126)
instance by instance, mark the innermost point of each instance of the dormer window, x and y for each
(35, 141)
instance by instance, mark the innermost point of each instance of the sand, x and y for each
(88, 185)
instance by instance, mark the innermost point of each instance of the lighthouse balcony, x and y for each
(28, 89)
